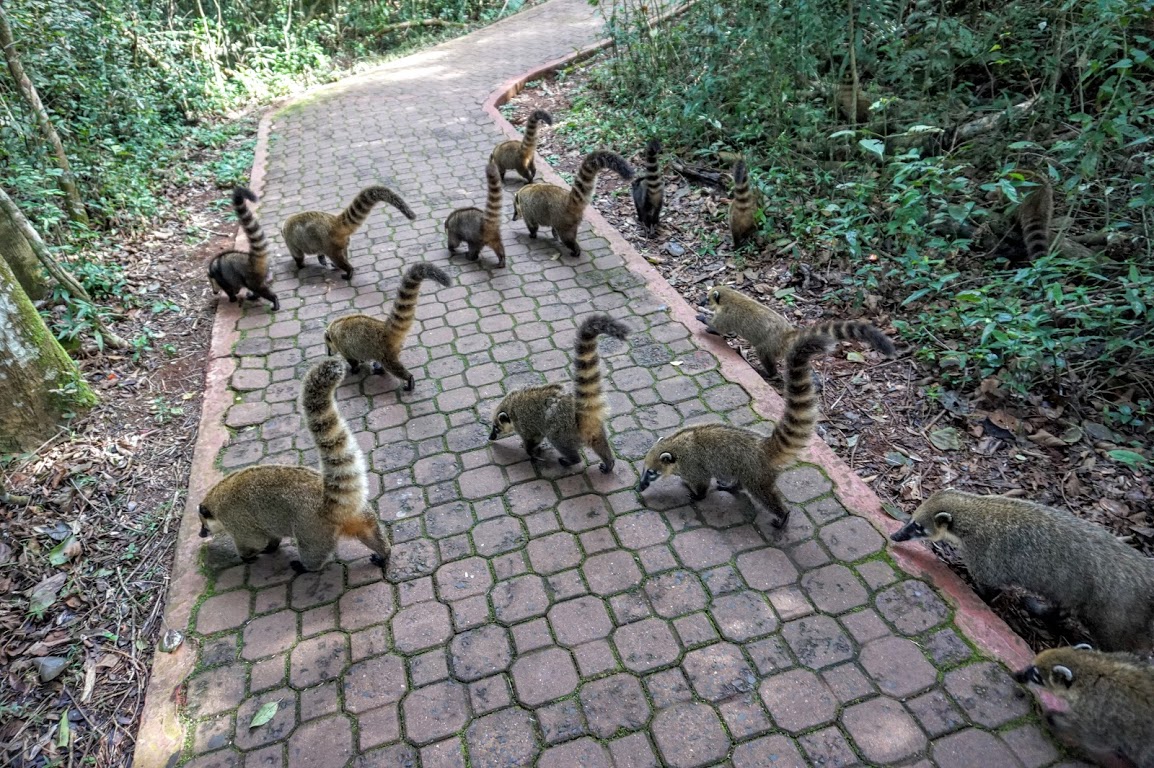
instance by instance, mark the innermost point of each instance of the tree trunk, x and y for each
(32, 366)
(15, 250)
(74, 204)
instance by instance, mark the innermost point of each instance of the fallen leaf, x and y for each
(946, 439)
(894, 511)
(1046, 440)
(855, 357)
(44, 594)
(66, 550)
(1072, 434)
(89, 679)
(1116, 508)
(266, 712)
(64, 734)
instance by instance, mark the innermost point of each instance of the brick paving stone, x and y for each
(364, 606)
(798, 700)
(435, 711)
(743, 616)
(718, 672)
(226, 758)
(585, 753)
(321, 743)
(766, 569)
(519, 598)
(222, 612)
(689, 735)
(380, 726)
(971, 747)
(214, 734)
(443, 754)
(646, 645)
(946, 648)
(818, 641)
(897, 666)
(216, 690)
(828, 748)
(744, 716)
(776, 751)
(851, 538)
(834, 589)
(1031, 746)
(595, 658)
(318, 659)
(675, 594)
(769, 655)
(695, 630)
(502, 739)
(987, 694)
(578, 621)
(463, 578)
(421, 626)
(430, 667)
(493, 537)
(374, 683)
(561, 721)
(480, 653)
(266, 757)
(634, 751)
(641, 529)
(613, 704)
(554, 553)
(543, 676)
(912, 607)
(319, 701)
(583, 513)
(267, 635)
(702, 548)
(312, 589)
(936, 713)
(884, 732)
(490, 694)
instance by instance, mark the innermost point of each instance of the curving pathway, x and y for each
(532, 615)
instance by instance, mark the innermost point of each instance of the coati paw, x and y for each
(567, 462)
(605, 468)
(410, 383)
(378, 561)
(781, 520)
(501, 263)
(349, 275)
(298, 566)
(697, 495)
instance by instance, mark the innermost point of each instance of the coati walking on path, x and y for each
(770, 334)
(741, 209)
(568, 421)
(516, 155)
(479, 228)
(261, 505)
(327, 235)
(741, 458)
(360, 338)
(232, 270)
(547, 205)
(649, 190)
(1072, 563)
(1109, 700)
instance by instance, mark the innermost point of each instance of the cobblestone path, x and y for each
(533, 615)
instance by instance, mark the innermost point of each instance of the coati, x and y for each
(547, 205)
(232, 270)
(1072, 563)
(854, 106)
(261, 505)
(518, 155)
(741, 209)
(735, 314)
(361, 338)
(567, 420)
(1109, 700)
(741, 458)
(1035, 217)
(649, 190)
(327, 235)
(476, 227)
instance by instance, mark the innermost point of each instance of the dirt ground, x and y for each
(878, 415)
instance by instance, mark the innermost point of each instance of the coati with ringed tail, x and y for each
(741, 209)
(232, 270)
(327, 235)
(1035, 217)
(360, 338)
(547, 205)
(649, 190)
(741, 458)
(516, 155)
(261, 505)
(770, 334)
(568, 421)
(1072, 563)
(1109, 702)
(479, 228)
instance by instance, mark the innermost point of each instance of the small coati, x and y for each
(568, 421)
(327, 235)
(649, 190)
(547, 205)
(232, 270)
(1109, 700)
(518, 155)
(1034, 217)
(741, 209)
(770, 334)
(261, 505)
(359, 338)
(476, 227)
(741, 458)
(1072, 563)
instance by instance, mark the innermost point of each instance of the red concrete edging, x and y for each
(971, 615)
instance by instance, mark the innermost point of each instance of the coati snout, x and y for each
(1030, 674)
(502, 427)
(648, 477)
(911, 530)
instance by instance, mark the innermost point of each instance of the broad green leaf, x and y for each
(873, 146)
(894, 511)
(855, 357)
(946, 439)
(266, 712)
(62, 552)
(1129, 458)
(64, 732)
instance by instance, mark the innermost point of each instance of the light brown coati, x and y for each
(327, 235)
(518, 155)
(770, 334)
(476, 227)
(547, 205)
(232, 270)
(1034, 217)
(360, 338)
(1109, 700)
(1073, 564)
(741, 210)
(649, 190)
(568, 421)
(261, 505)
(741, 458)
(855, 107)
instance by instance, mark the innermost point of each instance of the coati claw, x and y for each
(605, 468)
(782, 519)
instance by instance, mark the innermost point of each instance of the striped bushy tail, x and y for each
(845, 330)
(405, 307)
(594, 163)
(342, 463)
(1035, 217)
(652, 150)
(742, 197)
(257, 243)
(354, 216)
(492, 221)
(588, 399)
(529, 140)
(792, 433)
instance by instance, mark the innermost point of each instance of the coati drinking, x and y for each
(741, 458)
(518, 155)
(741, 209)
(261, 505)
(568, 421)
(479, 228)
(547, 205)
(360, 338)
(327, 235)
(649, 190)
(770, 334)
(1109, 702)
(1073, 564)
(232, 270)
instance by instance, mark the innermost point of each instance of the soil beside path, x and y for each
(535, 615)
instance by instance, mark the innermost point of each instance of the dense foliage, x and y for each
(970, 105)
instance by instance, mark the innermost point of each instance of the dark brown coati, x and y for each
(649, 190)
(231, 271)
(479, 228)
(741, 224)
(518, 155)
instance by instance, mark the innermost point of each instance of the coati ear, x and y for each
(1064, 674)
(503, 418)
(943, 519)
(666, 458)
(717, 296)
(1084, 647)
